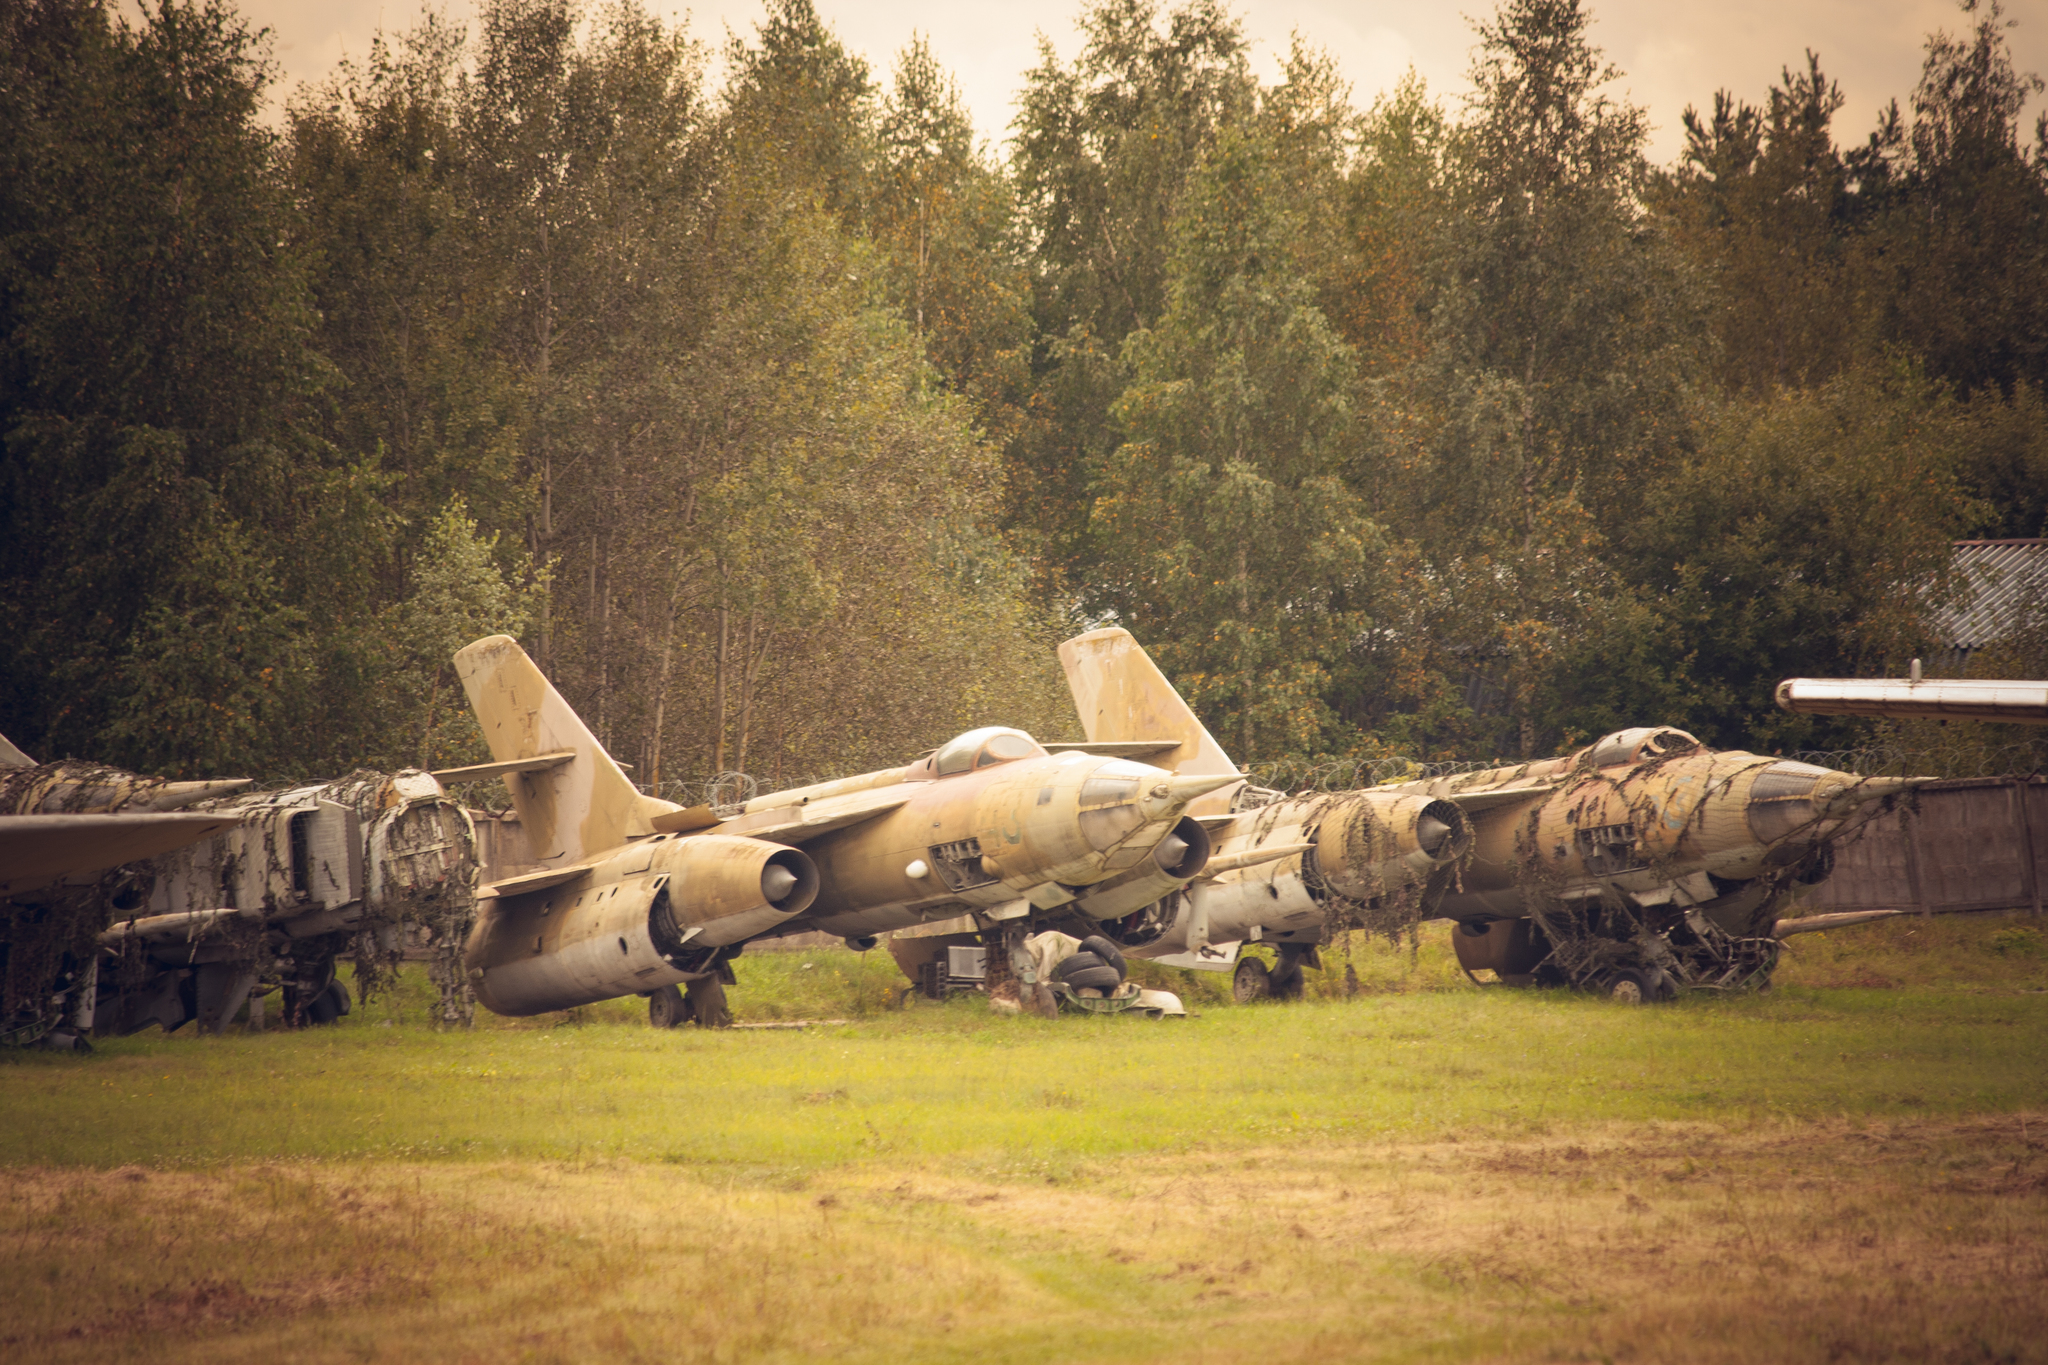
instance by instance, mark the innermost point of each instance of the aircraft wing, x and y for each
(36, 850)
(1472, 803)
(799, 823)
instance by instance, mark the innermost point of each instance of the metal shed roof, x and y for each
(2007, 583)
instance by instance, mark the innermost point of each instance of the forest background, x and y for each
(791, 426)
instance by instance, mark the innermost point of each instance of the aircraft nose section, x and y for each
(1167, 796)
(1861, 790)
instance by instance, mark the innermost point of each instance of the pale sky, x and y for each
(1671, 54)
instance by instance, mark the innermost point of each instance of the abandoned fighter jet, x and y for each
(267, 892)
(65, 831)
(1639, 865)
(1285, 869)
(639, 895)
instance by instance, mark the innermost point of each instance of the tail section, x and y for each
(1123, 697)
(573, 800)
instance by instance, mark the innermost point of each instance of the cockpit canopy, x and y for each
(983, 748)
(1641, 744)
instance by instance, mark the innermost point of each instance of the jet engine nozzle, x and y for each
(1431, 832)
(1378, 843)
(1176, 859)
(644, 918)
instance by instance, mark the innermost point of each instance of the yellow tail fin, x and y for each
(1124, 698)
(577, 804)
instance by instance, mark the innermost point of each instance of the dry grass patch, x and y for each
(1667, 1242)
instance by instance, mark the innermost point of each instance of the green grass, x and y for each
(1851, 1167)
(955, 1082)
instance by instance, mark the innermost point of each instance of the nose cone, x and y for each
(1168, 796)
(1842, 800)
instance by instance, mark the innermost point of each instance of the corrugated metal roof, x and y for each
(2007, 583)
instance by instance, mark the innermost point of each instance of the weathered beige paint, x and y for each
(1122, 696)
(570, 811)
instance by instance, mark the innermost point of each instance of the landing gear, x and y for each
(1636, 985)
(1286, 978)
(1251, 981)
(665, 1008)
(704, 1002)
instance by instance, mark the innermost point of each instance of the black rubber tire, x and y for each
(1102, 978)
(1066, 967)
(705, 1002)
(331, 1004)
(1251, 981)
(1109, 953)
(1285, 980)
(665, 1008)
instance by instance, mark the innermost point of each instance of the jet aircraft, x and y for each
(135, 901)
(638, 895)
(1638, 865)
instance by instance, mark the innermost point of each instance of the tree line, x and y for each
(790, 424)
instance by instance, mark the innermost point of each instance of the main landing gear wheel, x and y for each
(1285, 979)
(704, 1002)
(665, 1008)
(1251, 981)
(1628, 986)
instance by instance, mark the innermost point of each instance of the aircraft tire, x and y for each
(665, 1008)
(705, 1002)
(1251, 981)
(1100, 976)
(1069, 967)
(1628, 986)
(330, 1005)
(1108, 952)
(1285, 979)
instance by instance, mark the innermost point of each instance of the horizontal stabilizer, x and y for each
(1123, 698)
(685, 821)
(572, 808)
(477, 772)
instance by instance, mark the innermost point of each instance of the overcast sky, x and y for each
(1672, 55)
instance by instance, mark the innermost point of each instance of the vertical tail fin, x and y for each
(575, 807)
(1122, 696)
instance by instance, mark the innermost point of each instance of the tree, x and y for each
(1230, 539)
(1101, 153)
(1517, 449)
(1966, 246)
(161, 482)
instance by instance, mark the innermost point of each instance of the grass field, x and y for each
(1852, 1167)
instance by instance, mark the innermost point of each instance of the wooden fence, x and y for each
(1976, 844)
